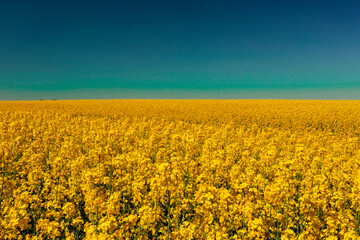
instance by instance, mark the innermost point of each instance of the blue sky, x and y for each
(179, 49)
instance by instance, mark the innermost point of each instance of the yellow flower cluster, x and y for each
(180, 169)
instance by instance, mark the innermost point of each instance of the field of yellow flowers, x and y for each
(180, 169)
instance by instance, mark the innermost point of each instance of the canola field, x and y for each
(180, 169)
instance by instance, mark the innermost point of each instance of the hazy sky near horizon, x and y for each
(65, 47)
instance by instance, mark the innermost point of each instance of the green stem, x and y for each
(168, 223)
(139, 232)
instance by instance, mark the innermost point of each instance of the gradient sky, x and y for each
(178, 49)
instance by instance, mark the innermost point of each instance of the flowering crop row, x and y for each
(185, 169)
